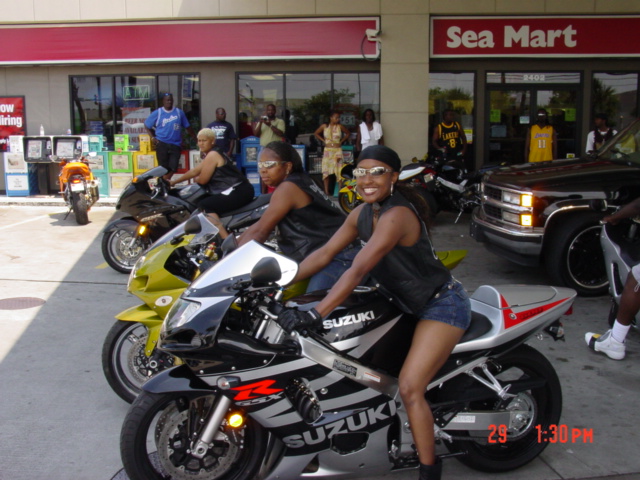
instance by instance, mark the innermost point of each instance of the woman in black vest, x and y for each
(398, 254)
(305, 216)
(228, 188)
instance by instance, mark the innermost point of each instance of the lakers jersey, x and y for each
(541, 143)
(449, 137)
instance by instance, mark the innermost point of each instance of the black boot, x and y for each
(431, 472)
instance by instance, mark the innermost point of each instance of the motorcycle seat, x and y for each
(257, 202)
(480, 325)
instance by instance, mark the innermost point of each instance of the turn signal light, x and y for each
(142, 229)
(235, 420)
(526, 220)
(526, 200)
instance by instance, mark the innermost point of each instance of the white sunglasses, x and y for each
(374, 172)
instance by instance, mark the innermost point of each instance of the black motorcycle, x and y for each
(445, 184)
(153, 209)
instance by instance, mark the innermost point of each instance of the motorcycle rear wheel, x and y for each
(521, 363)
(117, 249)
(154, 443)
(80, 208)
(124, 363)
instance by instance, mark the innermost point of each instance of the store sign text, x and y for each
(519, 36)
(523, 36)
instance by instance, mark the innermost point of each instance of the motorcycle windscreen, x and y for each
(237, 266)
(207, 231)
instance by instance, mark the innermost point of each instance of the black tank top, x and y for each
(410, 276)
(225, 177)
(306, 229)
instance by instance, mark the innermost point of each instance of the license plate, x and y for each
(77, 187)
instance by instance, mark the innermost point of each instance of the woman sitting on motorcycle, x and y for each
(399, 256)
(228, 188)
(305, 216)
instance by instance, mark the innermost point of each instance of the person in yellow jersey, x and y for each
(541, 143)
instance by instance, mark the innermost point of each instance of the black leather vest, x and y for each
(224, 177)
(410, 276)
(306, 229)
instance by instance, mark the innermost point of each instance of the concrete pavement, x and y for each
(61, 420)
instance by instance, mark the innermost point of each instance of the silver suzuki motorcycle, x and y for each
(252, 402)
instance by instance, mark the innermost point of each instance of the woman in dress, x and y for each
(333, 134)
(369, 132)
(228, 187)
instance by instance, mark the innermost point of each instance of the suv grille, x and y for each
(493, 212)
(493, 192)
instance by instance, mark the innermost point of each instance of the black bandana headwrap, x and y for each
(382, 154)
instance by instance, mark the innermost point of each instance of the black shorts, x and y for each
(168, 155)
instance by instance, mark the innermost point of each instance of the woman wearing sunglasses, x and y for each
(398, 254)
(305, 216)
(228, 188)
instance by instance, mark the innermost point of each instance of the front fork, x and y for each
(200, 447)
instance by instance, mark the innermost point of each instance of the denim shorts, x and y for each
(450, 305)
(329, 275)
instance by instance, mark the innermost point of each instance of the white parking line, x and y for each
(30, 220)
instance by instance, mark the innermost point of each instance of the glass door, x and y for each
(512, 103)
(509, 116)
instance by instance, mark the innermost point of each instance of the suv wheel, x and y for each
(573, 256)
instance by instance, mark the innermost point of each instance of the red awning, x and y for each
(179, 41)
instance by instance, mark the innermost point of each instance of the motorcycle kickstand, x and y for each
(68, 212)
(459, 215)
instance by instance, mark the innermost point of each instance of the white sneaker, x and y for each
(606, 344)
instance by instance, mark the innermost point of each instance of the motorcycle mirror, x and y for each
(193, 225)
(266, 271)
(229, 244)
(599, 205)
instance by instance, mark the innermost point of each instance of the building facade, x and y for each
(96, 67)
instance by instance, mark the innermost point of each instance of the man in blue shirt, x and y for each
(225, 133)
(168, 122)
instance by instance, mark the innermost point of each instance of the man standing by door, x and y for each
(165, 125)
(541, 143)
(225, 133)
(449, 137)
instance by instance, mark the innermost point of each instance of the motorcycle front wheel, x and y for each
(348, 205)
(544, 405)
(122, 247)
(155, 442)
(80, 208)
(124, 362)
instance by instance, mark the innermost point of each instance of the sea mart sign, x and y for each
(559, 36)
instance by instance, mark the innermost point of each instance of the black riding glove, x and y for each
(293, 319)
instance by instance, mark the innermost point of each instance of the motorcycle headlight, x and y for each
(134, 270)
(181, 312)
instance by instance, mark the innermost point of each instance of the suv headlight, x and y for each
(520, 199)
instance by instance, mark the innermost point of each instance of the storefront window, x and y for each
(95, 111)
(453, 91)
(304, 100)
(616, 95)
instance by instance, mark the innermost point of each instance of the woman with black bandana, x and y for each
(398, 254)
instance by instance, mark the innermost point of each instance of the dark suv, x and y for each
(539, 213)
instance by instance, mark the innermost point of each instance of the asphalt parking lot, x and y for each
(62, 421)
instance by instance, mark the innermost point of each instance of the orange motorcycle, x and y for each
(78, 187)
